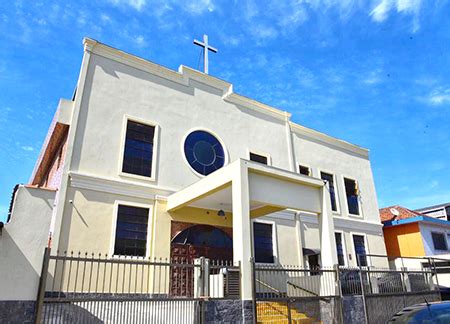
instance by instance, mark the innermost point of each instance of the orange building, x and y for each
(408, 233)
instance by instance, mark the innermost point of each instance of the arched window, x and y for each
(204, 235)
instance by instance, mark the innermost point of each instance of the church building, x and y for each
(149, 162)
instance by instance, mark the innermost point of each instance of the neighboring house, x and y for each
(441, 211)
(409, 234)
(144, 159)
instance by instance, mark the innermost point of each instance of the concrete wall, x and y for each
(321, 157)
(425, 231)
(310, 236)
(22, 243)
(90, 216)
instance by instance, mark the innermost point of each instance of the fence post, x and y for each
(437, 280)
(406, 280)
(255, 315)
(363, 295)
(338, 292)
(205, 272)
(41, 287)
(288, 304)
(198, 278)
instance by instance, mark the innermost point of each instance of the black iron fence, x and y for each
(98, 288)
(367, 281)
(275, 282)
(290, 293)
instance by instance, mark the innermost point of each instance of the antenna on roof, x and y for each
(394, 211)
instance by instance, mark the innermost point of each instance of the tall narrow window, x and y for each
(360, 250)
(330, 179)
(340, 249)
(304, 170)
(263, 242)
(131, 231)
(351, 191)
(138, 154)
(258, 158)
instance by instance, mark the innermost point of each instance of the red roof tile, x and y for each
(387, 215)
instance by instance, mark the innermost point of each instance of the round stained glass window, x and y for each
(203, 152)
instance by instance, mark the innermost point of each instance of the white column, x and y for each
(328, 252)
(242, 242)
(298, 227)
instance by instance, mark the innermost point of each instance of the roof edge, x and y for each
(425, 219)
(314, 134)
(184, 74)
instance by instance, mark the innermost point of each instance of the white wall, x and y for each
(425, 230)
(22, 243)
(373, 233)
(285, 239)
(115, 90)
(320, 157)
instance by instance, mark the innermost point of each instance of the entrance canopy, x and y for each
(270, 190)
(250, 189)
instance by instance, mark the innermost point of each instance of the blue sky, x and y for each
(375, 73)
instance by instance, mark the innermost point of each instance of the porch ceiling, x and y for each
(270, 190)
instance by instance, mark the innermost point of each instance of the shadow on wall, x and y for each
(69, 313)
(22, 244)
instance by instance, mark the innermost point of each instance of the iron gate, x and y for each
(288, 294)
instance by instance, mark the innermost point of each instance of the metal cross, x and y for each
(206, 48)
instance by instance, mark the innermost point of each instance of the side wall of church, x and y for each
(322, 158)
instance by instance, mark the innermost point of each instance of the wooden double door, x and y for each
(192, 243)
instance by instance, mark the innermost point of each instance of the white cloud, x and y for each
(27, 148)
(198, 7)
(140, 41)
(105, 18)
(250, 10)
(296, 16)
(264, 32)
(408, 7)
(136, 4)
(439, 96)
(231, 40)
(433, 185)
(81, 20)
(305, 77)
(380, 12)
(373, 77)
(438, 166)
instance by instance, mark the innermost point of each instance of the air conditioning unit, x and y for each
(225, 284)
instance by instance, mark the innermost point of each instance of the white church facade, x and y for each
(149, 162)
